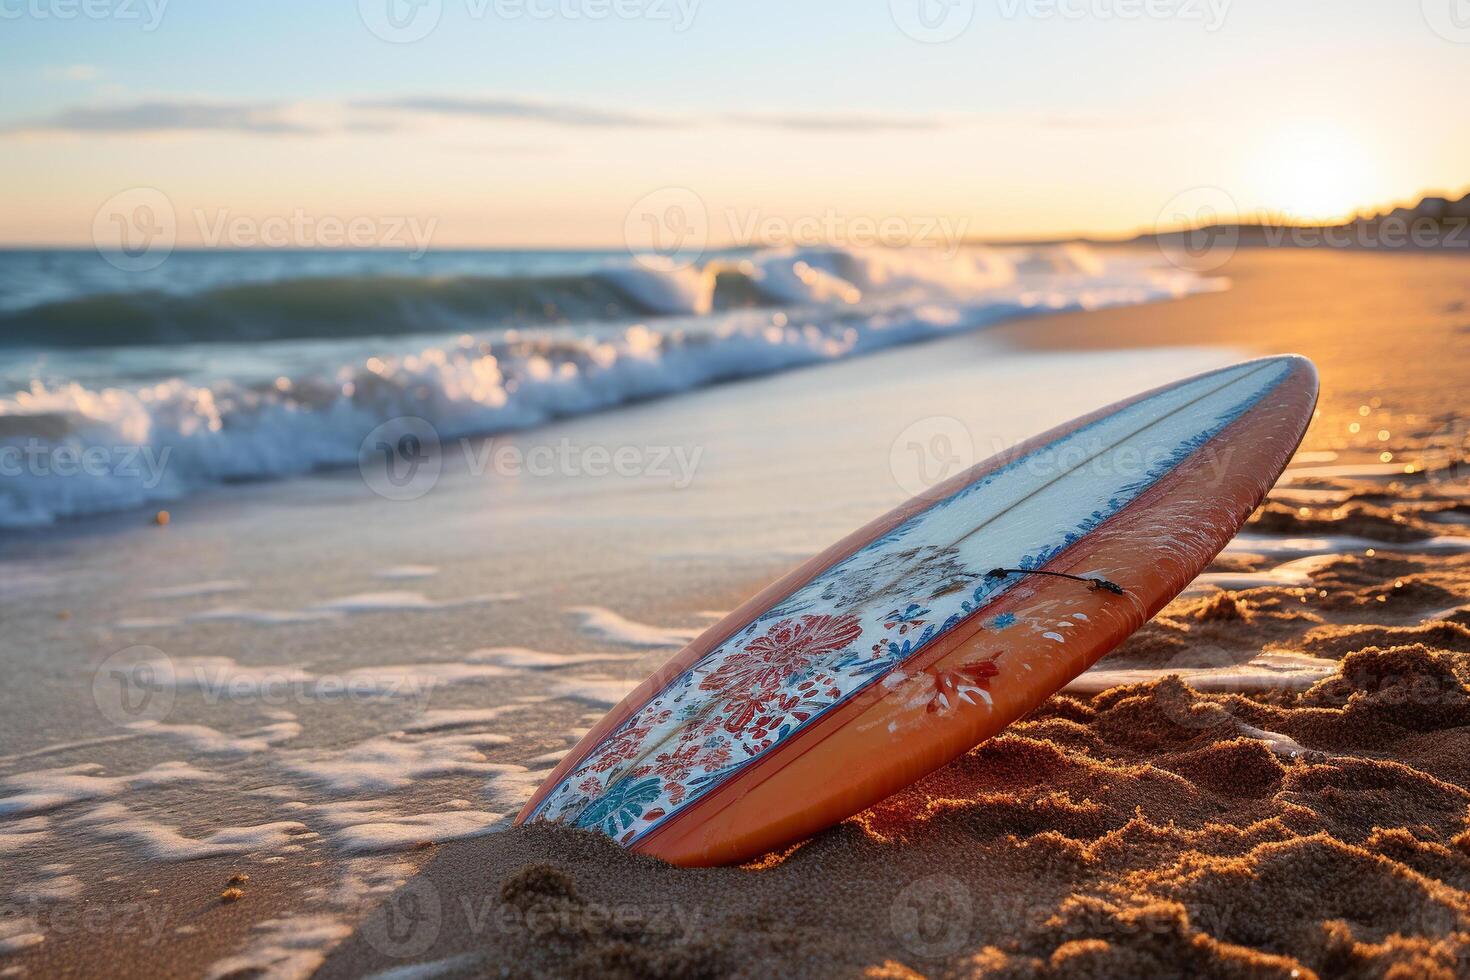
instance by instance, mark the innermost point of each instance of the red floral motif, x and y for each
(716, 757)
(949, 685)
(676, 765)
(750, 678)
(626, 743)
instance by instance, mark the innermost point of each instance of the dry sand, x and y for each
(1149, 829)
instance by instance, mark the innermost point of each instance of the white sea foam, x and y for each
(328, 610)
(397, 760)
(523, 659)
(1337, 544)
(404, 602)
(55, 885)
(214, 587)
(601, 691)
(211, 741)
(430, 970)
(20, 834)
(510, 789)
(406, 572)
(284, 949)
(167, 439)
(441, 719)
(51, 789)
(1269, 671)
(240, 614)
(225, 679)
(608, 625)
(160, 842)
(367, 826)
(1290, 574)
(19, 933)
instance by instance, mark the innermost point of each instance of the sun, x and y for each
(1314, 172)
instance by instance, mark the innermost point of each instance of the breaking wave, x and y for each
(528, 349)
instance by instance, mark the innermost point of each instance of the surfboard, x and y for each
(934, 627)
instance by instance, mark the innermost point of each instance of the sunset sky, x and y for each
(514, 123)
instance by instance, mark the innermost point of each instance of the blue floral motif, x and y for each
(622, 804)
(907, 615)
(1003, 621)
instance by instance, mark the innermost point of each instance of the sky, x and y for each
(601, 122)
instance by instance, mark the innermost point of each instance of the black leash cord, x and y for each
(1093, 583)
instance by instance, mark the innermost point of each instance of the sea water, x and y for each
(122, 389)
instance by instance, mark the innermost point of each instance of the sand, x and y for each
(1148, 829)
(1316, 824)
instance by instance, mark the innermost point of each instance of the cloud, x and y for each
(834, 123)
(519, 110)
(384, 115)
(164, 117)
(71, 73)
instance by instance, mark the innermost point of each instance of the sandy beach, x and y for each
(362, 690)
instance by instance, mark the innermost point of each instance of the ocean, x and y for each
(124, 388)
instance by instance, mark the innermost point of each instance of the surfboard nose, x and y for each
(1301, 367)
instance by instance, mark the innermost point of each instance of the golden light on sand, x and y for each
(1316, 172)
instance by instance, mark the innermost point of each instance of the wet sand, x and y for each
(1149, 829)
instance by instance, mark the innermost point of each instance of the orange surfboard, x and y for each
(934, 627)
